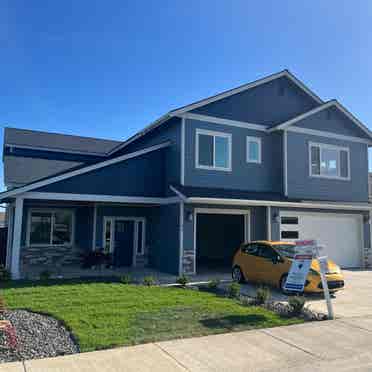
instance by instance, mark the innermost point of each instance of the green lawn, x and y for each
(103, 315)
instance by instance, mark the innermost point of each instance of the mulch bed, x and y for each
(38, 336)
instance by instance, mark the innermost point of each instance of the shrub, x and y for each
(149, 280)
(213, 284)
(96, 258)
(296, 304)
(5, 274)
(11, 336)
(233, 290)
(45, 275)
(126, 279)
(262, 295)
(182, 280)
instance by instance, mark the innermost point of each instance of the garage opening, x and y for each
(218, 236)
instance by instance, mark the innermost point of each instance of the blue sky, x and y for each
(107, 68)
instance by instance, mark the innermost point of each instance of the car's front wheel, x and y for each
(237, 274)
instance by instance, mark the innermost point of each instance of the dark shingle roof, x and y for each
(58, 142)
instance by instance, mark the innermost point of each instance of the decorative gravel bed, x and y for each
(38, 336)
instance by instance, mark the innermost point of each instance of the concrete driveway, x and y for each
(354, 301)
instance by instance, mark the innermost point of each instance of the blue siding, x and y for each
(334, 121)
(301, 185)
(169, 131)
(268, 104)
(141, 176)
(266, 176)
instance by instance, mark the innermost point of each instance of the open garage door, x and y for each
(341, 234)
(218, 236)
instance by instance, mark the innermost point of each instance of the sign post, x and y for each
(323, 264)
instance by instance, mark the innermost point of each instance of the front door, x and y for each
(124, 243)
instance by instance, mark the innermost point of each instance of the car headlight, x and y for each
(313, 272)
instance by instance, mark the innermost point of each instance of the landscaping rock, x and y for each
(38, 336)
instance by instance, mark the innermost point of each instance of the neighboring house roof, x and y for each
(22, 170)
(332, 103)
(32, 139)
(79, 171)
(217, 97)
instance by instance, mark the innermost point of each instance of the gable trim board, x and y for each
(182, 110)
(245, 87)
(80, 171)
(334, 103)
(99, 198)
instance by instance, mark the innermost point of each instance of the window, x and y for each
(107, 246)
(289, 220)
(329, 161)
(267, 252)
(289, 234)
(213, 150)
(253, 150)
(251, 249)
(50, 227)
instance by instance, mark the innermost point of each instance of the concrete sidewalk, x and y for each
(343, 344)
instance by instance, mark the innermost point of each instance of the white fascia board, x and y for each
(290, 122)
(245, 202)
(80, 171)
(228, 122)
(99, 198)
(321, 133)
(334, 103)
(140, 134)
(246, 87)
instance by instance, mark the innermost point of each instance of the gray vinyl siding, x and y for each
(332, 120)
(266, 176)
(140, 176)
(169, 131)
(302, 185)
(268, 104)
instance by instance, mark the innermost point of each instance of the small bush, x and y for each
(5, 274)
(126, 279)
(233, 290)
(149, 280)
(213, 284)
(296, 304)
(263, 295)
(182, 280)
(45, 275)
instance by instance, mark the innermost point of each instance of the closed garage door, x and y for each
(341, 234)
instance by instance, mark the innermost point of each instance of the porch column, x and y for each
(268, 222)
(17, 231)
(10, 224)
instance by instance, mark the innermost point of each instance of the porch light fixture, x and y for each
(276, 218)
(189, 216)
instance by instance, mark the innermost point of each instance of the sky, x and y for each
(108, 68)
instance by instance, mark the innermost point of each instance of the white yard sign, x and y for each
(300, 266)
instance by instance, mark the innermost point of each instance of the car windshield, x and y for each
(287, 250)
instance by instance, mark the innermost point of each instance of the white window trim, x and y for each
(330, 147)
(51, 211)
(259, 142)
(136, 220)
(214, 135)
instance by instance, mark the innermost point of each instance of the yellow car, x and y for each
(269, 262)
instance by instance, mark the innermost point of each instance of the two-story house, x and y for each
(266, 160)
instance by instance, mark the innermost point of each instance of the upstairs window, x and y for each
(327, 161)
(253, 150)
(213, 150)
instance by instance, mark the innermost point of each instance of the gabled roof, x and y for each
(79, 171)
(32, 139)
(217, 97)
(332, 103)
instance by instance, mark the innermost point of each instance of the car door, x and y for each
(249, 262)
(268, 265)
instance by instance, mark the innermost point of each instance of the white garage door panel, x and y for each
(340, 234)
